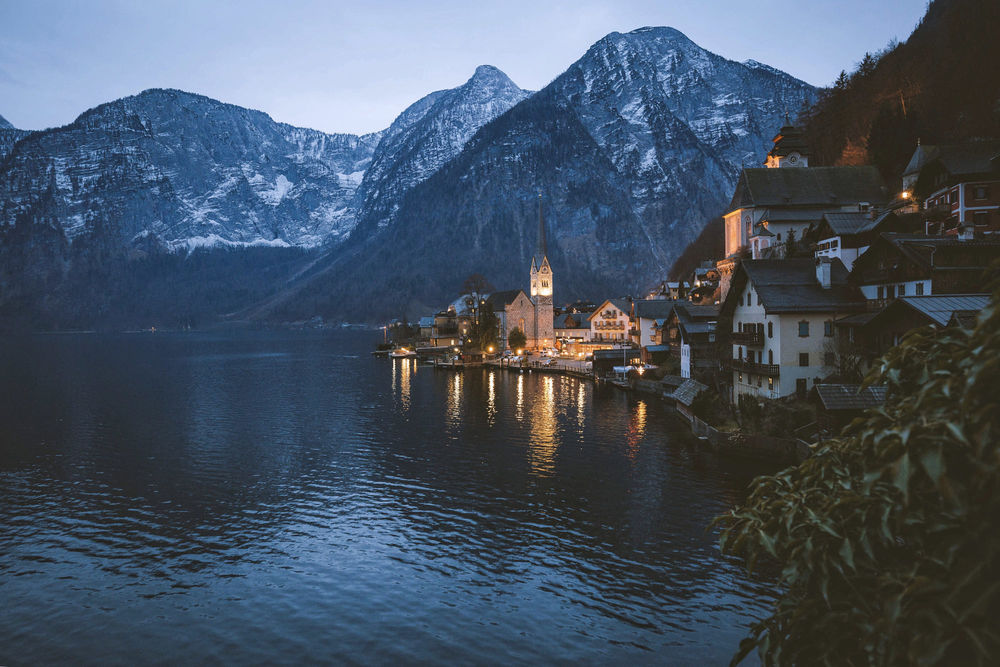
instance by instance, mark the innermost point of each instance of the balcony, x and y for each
(771, 370)
(755, 338)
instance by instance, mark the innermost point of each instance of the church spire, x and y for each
(541, 228)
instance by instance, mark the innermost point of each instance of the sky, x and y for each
(353, 66)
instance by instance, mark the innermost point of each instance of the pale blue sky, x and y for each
(352, 66)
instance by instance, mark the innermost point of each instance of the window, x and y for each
(920, 289)
(890, 291)
(758, 380)
(770, 356)
(739, 376)
(881, 292)
(779, 238)
(770, 384)
(902, 290)
(800, 387)
(828, 328)
(981, 218)
(803, 358)
(981, 192)
(770, 329)
(804, 329)
(829, 359)
(758, 294)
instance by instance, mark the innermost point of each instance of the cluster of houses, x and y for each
(825, 268)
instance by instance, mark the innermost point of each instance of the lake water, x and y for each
(287, 498)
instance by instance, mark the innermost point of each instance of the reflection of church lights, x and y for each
(580, 405)
(519, 412)
(543, 430)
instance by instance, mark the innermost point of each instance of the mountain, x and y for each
(425, 136)
(9, 135)
(634, 148)
(186, 171)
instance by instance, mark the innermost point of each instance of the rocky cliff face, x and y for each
(187, 171)
(9, 135)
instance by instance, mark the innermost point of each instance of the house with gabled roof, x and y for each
(611, 322)
(689, 331)
(898, 264)
(846, 236)
(959, 185)
(782, 314)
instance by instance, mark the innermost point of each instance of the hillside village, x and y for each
(825, 269)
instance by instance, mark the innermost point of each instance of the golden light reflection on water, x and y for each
(519, 410)
(636, 429)
(581, 404)
(402, 370)
(491, 398)
(543, 443)
(454, 408)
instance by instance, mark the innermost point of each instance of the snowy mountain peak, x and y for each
(5, 124)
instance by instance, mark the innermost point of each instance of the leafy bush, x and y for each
(889, 537)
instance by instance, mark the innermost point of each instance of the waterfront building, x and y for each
(647, 313)
(572, 331)
(611, 322)
(783, 313)
(689, 331)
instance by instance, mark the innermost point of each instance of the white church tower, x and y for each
(541, 291)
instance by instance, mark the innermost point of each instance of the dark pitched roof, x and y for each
(699, 311)
(686, 393)
(921, 248)
(653, 308)
(500, 300)
(850, 396)
(570, 321)
(974, 157)
(790, 286)
(810, 186)
(789, 139)
(936, 308)
(854, 223)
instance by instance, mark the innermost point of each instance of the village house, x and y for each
(611, 323)
(899, 264)
(846, 236)
(959, 185)
(647, 313)
(783, 314)
(870, 335)
(787, 196)
(689, 331)
(572, 331)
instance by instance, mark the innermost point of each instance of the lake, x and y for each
(284, 497)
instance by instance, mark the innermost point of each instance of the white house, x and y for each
(611, 322)
(783, 314)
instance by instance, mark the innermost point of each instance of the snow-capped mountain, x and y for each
(186, 170)
(634, 148)
(427, 135)
(5, 124)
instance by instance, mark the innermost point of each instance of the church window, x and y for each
(545, 283)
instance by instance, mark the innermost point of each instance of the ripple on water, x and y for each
(280, 498)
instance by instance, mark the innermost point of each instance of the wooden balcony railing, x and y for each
(755, 338)
(772, 370)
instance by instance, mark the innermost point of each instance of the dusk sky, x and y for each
(352, 67)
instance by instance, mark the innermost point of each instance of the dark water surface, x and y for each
(286, 498)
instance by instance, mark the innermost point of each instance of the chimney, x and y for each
(823, 267)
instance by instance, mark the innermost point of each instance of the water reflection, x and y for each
(304, 501)
(542, 442)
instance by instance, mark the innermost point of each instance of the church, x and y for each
(534, 314)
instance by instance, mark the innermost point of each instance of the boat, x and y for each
(403, 353)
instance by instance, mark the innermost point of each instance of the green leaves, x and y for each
(888, 538)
